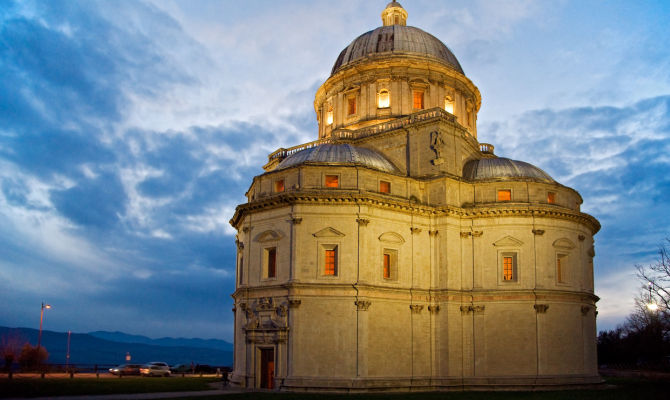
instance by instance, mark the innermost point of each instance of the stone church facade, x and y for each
(397, 252)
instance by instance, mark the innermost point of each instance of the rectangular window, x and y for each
(279, 186)
(418, 100)
(551, 197)
(330, 264)
(560, 268)
(508, 268)
(504, 195)
(387, 266)
(384, 187)
(332, 181)
(351, 109)
(272, 262)
(240, 275)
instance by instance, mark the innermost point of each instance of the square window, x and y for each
(271, 262)
(332, 181)
(384, 187)
(330, 262)
(551, 197)
(505, 195)
(351, 109)
(279, 186)
(418, 100)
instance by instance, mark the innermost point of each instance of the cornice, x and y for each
(357, 197)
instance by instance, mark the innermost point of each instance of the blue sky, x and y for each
(130, 130)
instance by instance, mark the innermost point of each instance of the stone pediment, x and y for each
(391, 237)
(508, 241)
(564, 243)
(328, 232)
(269, 236)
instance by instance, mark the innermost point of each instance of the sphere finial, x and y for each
(394, 14)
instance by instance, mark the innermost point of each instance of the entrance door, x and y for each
(267, 368)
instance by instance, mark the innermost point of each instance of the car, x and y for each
(125, 369)
(180, 369)
(155, 368)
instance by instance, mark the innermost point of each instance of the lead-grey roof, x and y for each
(339, 154)
(397, 39)
(503, 168)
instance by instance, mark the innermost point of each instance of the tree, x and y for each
(10, 348)
(656, 277)
(32, 357)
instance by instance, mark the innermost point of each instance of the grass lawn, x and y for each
(36, 387)
(616, 389)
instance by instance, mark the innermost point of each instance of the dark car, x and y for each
(125, 369)
(180, 369)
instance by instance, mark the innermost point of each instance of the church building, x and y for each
(397, 252)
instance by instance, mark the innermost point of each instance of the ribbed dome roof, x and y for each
(396, 39)
(503, 168)
(339, 154)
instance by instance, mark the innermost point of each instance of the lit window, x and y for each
(271, 262)
(332, 181)
(504, 195)
(449, 104)
(509, 267)
(330, 262)
(384, 187)
(329, 116)
(551, 197)
(384, 99)
(279, 186)
(387, 266)
(560, 268)
(418, 100)
(351, 102)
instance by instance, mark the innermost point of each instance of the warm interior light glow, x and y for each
(384, 187)
(351, 101)
(387, 266)
(329, 117)
(449, 105)
(279, 186)
(47, 306)
(330, 262)
(508, 268)
(332, 181)
(504, 195)
(551, 197)
(418, 100)
(384, 99)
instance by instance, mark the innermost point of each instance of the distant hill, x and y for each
(166, 341)
(89, 349)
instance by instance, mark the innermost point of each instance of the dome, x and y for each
(394, 40)
(503, 168)
(339, 154)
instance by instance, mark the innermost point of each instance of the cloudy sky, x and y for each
(130, 130)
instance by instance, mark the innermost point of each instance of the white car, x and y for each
(155, 368)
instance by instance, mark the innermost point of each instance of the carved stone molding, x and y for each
(240, 245)
(363, 221)
(538, 232)
(585, 310)
(416, 308)
(472, 309)
(415, 231)
(541, 308)
(266, 322)
(296, 220)
(581, 238)
(245, 229)
(294, 303)
(243, 306)
(362, 305)
(433, 233)
(434, 309)
(465, 234)
(477, 233)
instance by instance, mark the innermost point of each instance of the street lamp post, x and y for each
(652, 306)
(39, 337)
